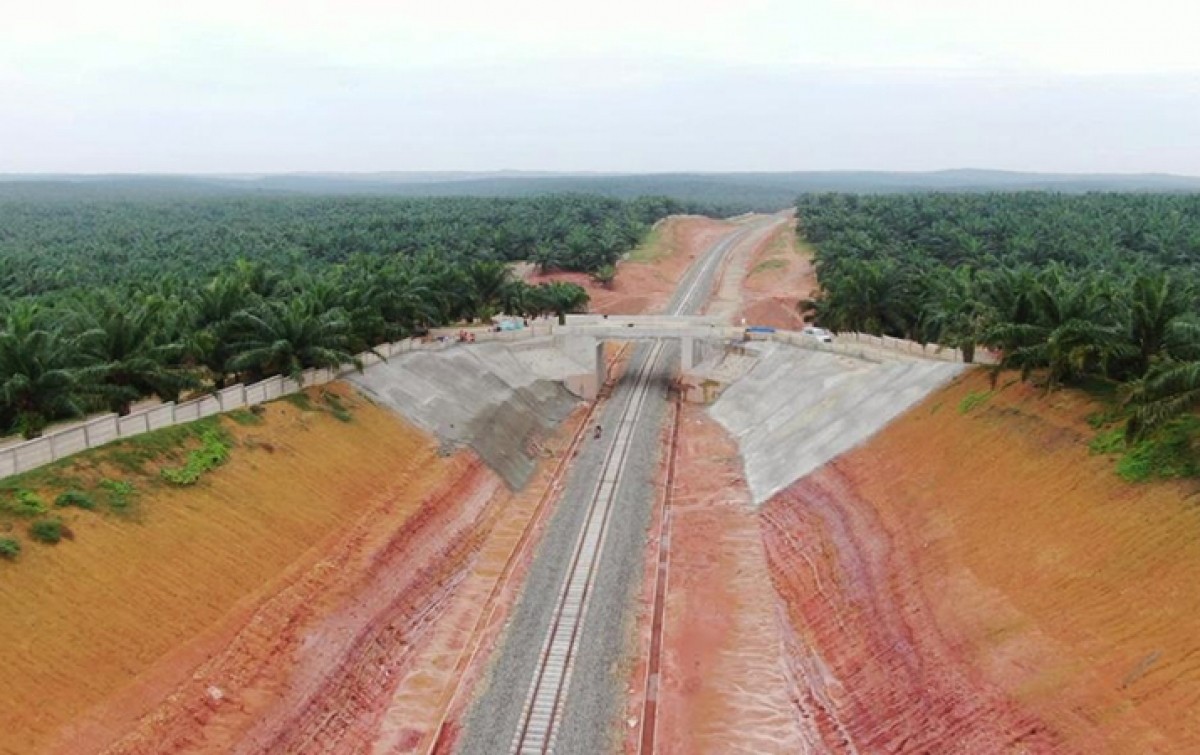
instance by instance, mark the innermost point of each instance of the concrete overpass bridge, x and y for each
(582, 338)
(585, 335)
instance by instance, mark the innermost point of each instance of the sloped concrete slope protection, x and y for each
(797, 409)
(496, 400)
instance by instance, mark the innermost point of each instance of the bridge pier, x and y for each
(687, 353)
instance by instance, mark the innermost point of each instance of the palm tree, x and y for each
(488, 281)
(954, 315)
(208, 342)
(1169, 390)
(287, 338)
(560, 298)
(128, 353)
(39, 377)
(870, 296)
(1158, 304)
(1070, 334)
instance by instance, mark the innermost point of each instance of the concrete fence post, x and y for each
(8, 463)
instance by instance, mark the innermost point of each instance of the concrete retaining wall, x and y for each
(797, 409)
(498, 400)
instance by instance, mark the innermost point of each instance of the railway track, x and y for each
(539, 700)
(539, 720)
(537, 732)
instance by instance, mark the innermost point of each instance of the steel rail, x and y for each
(542, 712)
(541, 715)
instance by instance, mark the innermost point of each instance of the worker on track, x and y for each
(597, 433)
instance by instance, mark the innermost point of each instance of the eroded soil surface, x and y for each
(134, 603)
(972, 580)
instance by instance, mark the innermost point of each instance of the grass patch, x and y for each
(1110, 441)
(974, 400)
(1169, 454)
(246, 417)
(49, 531)
(133, 454)
(300, 401)
(23, 503)
(10, 548)
(1104, 418)
(118, 494)
(212, 453)
(652, 248)
(765, 265)
(76, 498)
(336, 407)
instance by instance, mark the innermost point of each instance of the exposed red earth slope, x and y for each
(645, 282)
(976, 582)
(779, 275)
(360, 654)
(131, 607)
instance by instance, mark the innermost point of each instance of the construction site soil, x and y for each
(777, 277)
(972, 580)
(723, 688)
(645, 282)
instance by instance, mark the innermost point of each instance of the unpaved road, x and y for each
(592, 696)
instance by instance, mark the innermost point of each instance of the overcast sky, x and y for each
(609, 85)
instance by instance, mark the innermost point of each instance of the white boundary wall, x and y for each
(71, 439)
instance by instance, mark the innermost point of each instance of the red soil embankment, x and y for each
(130, 607)
(644, 284)
(779, 275)
(974, 581)
(312, 594)
(723, 687)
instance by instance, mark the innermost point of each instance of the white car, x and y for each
(819, 334)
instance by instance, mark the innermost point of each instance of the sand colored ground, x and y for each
(645, 282)
(88, 618)
(977, 582)
(779, 275)
(724, 687)
(314, 594)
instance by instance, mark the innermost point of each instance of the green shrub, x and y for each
(23, 503)
(213, 452)
(119, 493)
(48, 530)
(1169, 453)
(973, 400)
(1108, 442)
(336, 407)
(76, 498)
(246, 417)
(10, 548)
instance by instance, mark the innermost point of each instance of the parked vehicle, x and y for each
(819, 334)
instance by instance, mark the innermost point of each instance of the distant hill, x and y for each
(761, 191)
